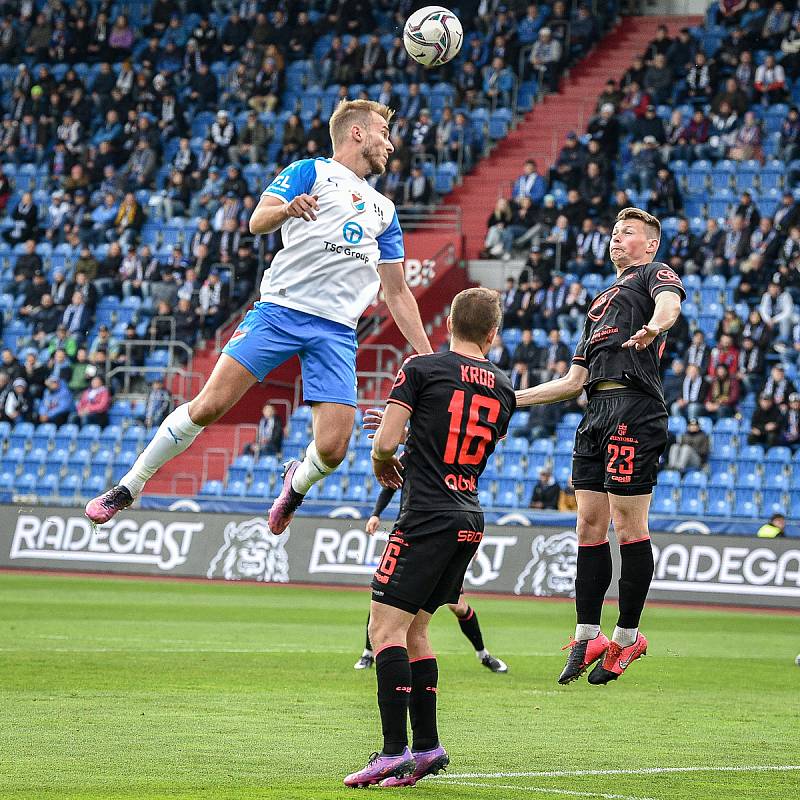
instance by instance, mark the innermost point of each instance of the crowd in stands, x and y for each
(699, 132)
(136, 138)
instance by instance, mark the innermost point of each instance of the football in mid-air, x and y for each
(433, 36)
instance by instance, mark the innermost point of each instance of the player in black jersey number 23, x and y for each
(457, 405)
(619, 441)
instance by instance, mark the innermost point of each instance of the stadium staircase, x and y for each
(539, 135)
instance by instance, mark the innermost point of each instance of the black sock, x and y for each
(634, 581)
(471, 628)
(592, 580)
(394, 688)
(422, 704)
(368, 645)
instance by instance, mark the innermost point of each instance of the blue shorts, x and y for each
(270, 334)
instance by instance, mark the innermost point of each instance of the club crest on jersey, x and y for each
(622, 429)
(359, 203)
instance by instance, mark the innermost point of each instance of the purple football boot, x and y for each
(286, 503)
(104, 507)
(381, 767)
(429, 762)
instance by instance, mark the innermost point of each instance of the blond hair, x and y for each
(473, 314)
(354, 112)
(651, 224)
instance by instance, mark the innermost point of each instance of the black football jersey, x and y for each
(613, 317)
(460, 406)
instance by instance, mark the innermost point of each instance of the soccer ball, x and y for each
(433, 36)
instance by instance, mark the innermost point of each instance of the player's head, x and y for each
(361, 128)
(475, 317)
(635, 238)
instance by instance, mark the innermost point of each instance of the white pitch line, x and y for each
(541, 790)
(577, 773)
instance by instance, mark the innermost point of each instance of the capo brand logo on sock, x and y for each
(250, 552)
(172, 434)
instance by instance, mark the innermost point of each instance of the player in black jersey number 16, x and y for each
(619, 441)
(457, 405)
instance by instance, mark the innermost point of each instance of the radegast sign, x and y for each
(530, 561)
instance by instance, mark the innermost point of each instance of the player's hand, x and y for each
(303, 207)
(371, 421)
(372, 524)
(642, 338)
(388, 472)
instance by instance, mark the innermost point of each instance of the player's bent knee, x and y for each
(332, 453)
(204, 409)
(591, 530)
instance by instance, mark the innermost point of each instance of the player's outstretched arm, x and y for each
(571, 385)
(271, 212)
(403, 306)
(665, 314)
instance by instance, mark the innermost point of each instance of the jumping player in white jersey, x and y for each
(342, 242)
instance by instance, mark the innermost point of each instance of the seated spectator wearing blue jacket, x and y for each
(56, 404)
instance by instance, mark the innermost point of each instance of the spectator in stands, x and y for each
(767, 423)
(512, 299)
(542, 421)
(583, 31)
(732, 248)
(529, 184)
(708, 244)
(525, 356)
(747, 143)
(691, 450)
(648, 125)
(572, 312)
(725, 353)
(722, 397)
(545, 59)
(17, 403)
(724, 124)
(605, 129)
(141, 166)
(665, 197)
(730, 11)
(157, 405)
(128, 221)
(269, 436)
(682, 52)
(791, 432)
(94, 403)
(590, 250)
(770, 82)
(634, 103)
(658, 79)
(634, 74)
(690, 402)
(751, 366)
(25, 219)
(77, 317)
(730, 325)
(546, 491)
(252, 141)
(56, 403)
(777, 310)
(672, 384)
(790, 47)
(569, 165)
(645, 164)
(186, 322)
(213, 300)
(495, 243)
(786, 216)
(779, 387)
(776, 25)
(498, 353)
(611, 95)
(555, 352)
(682, 253)
(417, 189)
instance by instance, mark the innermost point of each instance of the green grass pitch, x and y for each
(165, 689)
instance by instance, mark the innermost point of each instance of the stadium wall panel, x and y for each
(532, 561)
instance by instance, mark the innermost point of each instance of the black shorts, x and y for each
(619, 443)
(426, 558)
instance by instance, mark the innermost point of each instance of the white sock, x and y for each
(173, 436)
(481, 654)
(367, 654)
(625, 637)
(311, 470)
(584, 632)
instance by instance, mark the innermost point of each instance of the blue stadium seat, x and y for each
(21, 434)
(664, 505)
(258, 489)
(669, 477)
(235, 488)
(718, 508)
(778, 455)
(237, 474)
(773, 502)
(43, 436)
(48, 484)
(690, 506)
(695, 478)
(87, 437)
(748, 480)
(212, 488)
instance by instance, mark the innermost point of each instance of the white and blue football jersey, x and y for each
(328, 267)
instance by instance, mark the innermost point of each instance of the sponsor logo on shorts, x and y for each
(251, 552)
(238, 335)
(470, 536)
(124, 541)
(551, 570)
